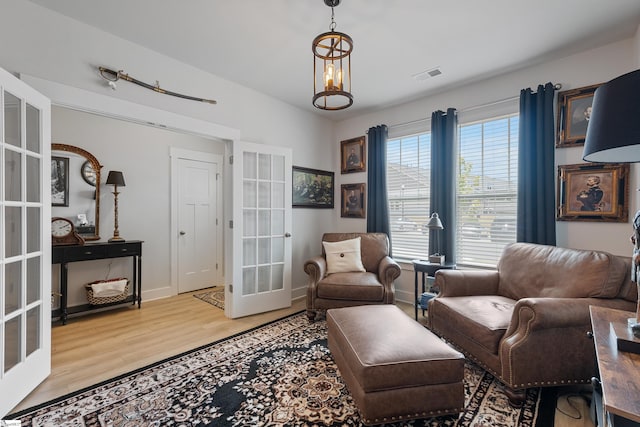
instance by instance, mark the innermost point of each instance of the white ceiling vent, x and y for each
(424, 75)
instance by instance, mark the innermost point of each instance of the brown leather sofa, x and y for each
(527, 321)
(373, 286)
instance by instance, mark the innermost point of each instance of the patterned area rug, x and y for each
(280, 374)
(214, 296)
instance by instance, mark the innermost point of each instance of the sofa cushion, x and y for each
(361, 287)
(482, 318)
(529, 270)
(343, 256)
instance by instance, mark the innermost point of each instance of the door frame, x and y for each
(74, 98)
(176, 154)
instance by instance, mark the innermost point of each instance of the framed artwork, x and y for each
(353, 201)
(574, 112)
(312, 188)
(59, 181)
(593, 192)
(352, 155)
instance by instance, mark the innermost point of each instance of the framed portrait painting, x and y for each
(593, 192)
(352, 155)
(353, 201)
(312, 188)
(574, 112)
(59, 181)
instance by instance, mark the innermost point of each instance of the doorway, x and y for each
(197, 219)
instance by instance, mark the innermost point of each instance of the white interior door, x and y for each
(261, 261)
(25, 246)
(198, 223)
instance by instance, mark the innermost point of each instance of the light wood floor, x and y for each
(96, 347)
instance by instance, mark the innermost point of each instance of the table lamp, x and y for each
(436, 225)
(115, 178)
(613, 135)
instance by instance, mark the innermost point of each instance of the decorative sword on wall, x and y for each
(113, 76)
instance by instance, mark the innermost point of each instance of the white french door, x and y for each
(25, 246)
(261, 233)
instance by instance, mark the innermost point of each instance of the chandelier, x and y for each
(332, 67)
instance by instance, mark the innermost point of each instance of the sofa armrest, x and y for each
(532, 314)
(388, 271)
(316, 268)
(456, 283)
(543, 326)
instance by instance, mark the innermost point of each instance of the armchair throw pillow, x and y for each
(343, 256)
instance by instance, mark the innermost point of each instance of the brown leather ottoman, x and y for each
(394, 368)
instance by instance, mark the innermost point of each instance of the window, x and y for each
(487, 189)
(408, 176)
(486, 197)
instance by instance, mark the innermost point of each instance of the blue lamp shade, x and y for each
(613, 134)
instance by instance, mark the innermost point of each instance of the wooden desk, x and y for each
(619, 371)
(65, 254)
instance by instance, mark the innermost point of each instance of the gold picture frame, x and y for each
(353, 201)
(353, 155)
(574, 112)
(593, 192)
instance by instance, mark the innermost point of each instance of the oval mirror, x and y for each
(75, 188)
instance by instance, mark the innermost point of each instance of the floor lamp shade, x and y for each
(613, 134)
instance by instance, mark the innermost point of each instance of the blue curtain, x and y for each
(536, 171)
(444, 157)
(377, 200)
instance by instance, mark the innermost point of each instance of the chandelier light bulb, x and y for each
(329, 76)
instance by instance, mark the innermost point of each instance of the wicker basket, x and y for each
(93, 300)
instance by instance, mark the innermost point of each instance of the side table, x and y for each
(617, 404)
(428, 270)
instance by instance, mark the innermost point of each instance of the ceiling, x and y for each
(266, 44)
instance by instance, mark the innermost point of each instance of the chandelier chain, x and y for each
(332, 27)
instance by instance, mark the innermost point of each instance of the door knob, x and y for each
(287, 234)
(182, 233)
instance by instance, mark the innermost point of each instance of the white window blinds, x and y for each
(408, 187)
(487, 189)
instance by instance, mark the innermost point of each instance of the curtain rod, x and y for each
(557, 86)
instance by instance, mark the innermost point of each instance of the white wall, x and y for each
(55, 48)
(590, 67)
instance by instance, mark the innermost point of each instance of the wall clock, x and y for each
(88, 173)
(63, 232)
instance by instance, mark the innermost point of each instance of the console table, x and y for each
(428, 268)
(619, 371)
(65, 254)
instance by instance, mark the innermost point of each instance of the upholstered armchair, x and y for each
(527, 321)
(350, 273)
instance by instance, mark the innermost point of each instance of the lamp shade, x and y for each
(115, 178)
(613, 134)
(435, 223)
